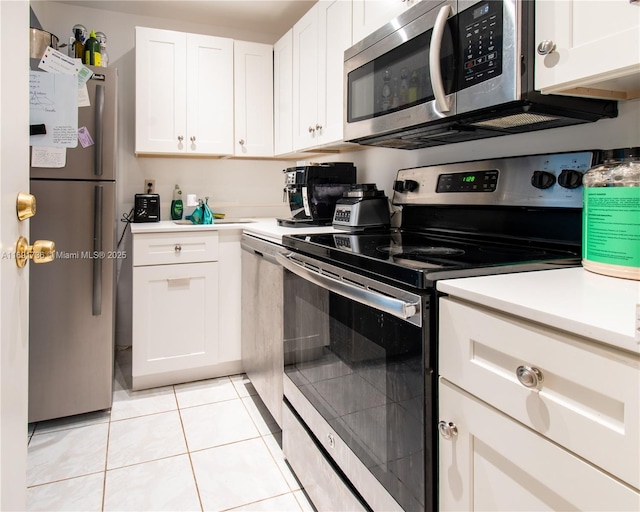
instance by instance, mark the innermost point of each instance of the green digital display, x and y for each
(475, 181)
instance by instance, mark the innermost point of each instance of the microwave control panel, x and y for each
(480, 29)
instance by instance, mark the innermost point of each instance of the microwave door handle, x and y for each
(396, 307)
(435, 71)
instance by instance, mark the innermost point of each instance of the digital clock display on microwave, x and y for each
(477, 181)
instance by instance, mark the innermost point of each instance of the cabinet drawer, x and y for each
(169, 248)
(588, 400)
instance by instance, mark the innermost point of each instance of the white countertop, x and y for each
(605, 309)
(266, 228)
(170, 226)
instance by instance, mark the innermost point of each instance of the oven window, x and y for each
(364, 371)
(398, 79)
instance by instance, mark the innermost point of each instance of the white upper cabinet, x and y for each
(319, 41)
(369, 15)
(253, 84)
(588, 48)
(184, 93)
(283, 94)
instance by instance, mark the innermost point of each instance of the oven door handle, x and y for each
(396, 307)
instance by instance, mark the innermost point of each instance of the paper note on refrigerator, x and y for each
(52, 158)
(53, 102)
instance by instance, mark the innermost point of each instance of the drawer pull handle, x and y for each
(332, 441)
(178, 248)
(529, 376)
(447, 430)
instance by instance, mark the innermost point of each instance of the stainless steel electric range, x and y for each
(360, 331)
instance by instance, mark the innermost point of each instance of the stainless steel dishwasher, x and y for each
(262, 353)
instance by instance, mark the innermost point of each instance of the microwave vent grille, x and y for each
(516, 120)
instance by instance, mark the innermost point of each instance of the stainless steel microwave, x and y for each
(450, 71)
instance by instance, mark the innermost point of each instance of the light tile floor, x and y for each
(208, 445)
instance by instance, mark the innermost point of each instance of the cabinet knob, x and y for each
(447, 430)
(180, 138)
(192, 138)
(311, 129)
(241, 142)
(318, 126)
(178, 248)
(529, 376)
(546, 47)
(331, 440)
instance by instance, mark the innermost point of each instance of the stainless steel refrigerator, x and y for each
(72, 299)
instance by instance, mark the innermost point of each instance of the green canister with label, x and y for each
(611, 215)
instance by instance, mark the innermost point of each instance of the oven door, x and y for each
(356, 373)
(403, 74)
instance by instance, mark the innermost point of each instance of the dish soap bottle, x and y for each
(92, 51)
(176, 204)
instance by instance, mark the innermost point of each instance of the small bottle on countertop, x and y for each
(176, 204)
(92, 51)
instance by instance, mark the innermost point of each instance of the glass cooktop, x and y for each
(418, 259)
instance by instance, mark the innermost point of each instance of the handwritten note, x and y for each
(53, 101)
(53, 158)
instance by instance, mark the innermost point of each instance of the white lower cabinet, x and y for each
(496, 463)
(533, 418)
(182, 329)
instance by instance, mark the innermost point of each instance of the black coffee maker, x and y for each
(313, 191)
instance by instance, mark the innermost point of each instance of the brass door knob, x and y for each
(25, 205)
(42, 251)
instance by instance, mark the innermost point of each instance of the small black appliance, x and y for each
(146, 208)
(313, 190)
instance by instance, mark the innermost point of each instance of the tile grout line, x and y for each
(267, 446)
(106, 459)
(186, 442)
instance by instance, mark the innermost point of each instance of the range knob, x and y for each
(405, 185)
(543, 179)
(570, 179)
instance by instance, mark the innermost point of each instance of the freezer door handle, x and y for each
(98, 129)
(97, 250)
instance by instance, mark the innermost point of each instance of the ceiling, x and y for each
(266, 16)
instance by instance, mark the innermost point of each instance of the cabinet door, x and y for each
(253, 96)
(175, 318)
(369, 15)
(305, 80)
(283, 94)
(597, 47)
(334, 36)
(161, 94)
(210, 95)
(495, 463)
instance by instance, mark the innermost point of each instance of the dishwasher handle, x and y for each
(409, 311)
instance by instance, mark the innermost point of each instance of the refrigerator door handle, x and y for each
(99, 100)
(97, 255)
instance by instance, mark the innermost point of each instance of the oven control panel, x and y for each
(549, 180)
